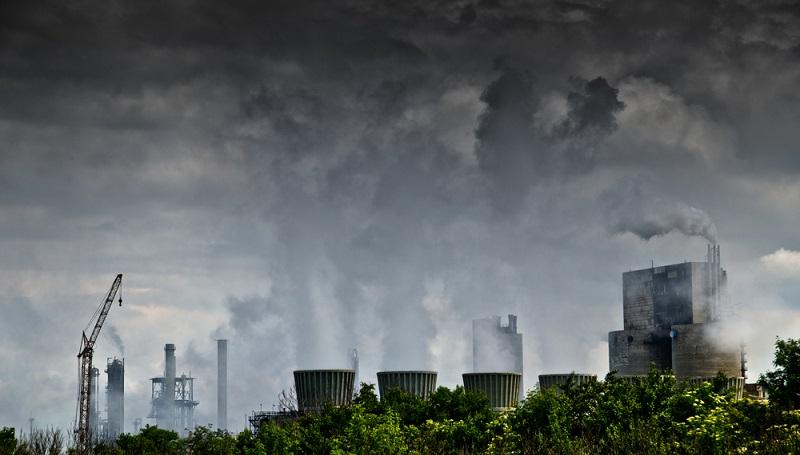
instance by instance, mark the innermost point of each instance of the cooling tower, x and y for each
(501, 388)
(315, 388)
(548, 381)
(420, 383)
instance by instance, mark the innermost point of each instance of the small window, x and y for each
(672, 274)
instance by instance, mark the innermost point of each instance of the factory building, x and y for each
(497, 347)
(115, 398)
(671, 317)
(172, 397)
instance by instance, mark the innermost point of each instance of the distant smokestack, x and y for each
(94, 398)
(222, 384)
(168, 400)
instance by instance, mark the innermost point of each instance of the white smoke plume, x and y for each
(629, 207)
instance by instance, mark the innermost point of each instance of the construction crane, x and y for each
(85, 353)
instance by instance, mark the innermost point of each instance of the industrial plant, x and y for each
(172, 397)
(673, 319)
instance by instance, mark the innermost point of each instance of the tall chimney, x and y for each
(222, 384)
(169, 386)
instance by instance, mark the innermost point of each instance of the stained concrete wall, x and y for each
(631, 352)
(700, 350)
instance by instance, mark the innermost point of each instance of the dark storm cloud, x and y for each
(592, 109)
(319, 176)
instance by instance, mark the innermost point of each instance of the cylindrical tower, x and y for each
(94, 405)
(168, 400)
(549, 381)
(314, 388)
(420, 383)
(222, 384)
(502, 388)
(115, 398)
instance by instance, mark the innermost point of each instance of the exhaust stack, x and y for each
(222, 384)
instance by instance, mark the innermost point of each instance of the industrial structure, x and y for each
(672, 318)
(115, 398)
(419, 383)
(172, 397)
(557, 381)
(315, 388)
(94, 405)
(83, 436)
(497, 347)
(222, 384)
(502, 389)
(354, 358)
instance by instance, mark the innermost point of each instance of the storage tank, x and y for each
(502, 388)
(115, 398)
(703, 350)
(420, 383)
(314, 388)
(548, 381)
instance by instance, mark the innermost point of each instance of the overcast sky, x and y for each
(307, 177)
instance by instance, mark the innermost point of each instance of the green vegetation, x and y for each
(653, 415)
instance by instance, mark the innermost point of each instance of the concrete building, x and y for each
(115, 398)
(497, 347)
(671, 318)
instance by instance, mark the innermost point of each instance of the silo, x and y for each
(420, 383)
(702, 350)
(548, 381)
(502, 388)
(314, 388)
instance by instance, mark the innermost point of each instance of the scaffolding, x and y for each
(183, 403)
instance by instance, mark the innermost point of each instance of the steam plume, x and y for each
(630, 208)
(113, 335)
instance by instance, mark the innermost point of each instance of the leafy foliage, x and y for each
(783, 384)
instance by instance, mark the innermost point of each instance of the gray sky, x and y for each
(307, 177)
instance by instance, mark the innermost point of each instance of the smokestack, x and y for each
(94, 398)
(222, 384)
(168, 400)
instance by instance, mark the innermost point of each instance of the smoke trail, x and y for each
(630, 208)
(113, 335)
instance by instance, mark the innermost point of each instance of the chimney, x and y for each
(169, 386)
(222, 384)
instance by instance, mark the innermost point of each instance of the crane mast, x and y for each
(85, 354)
